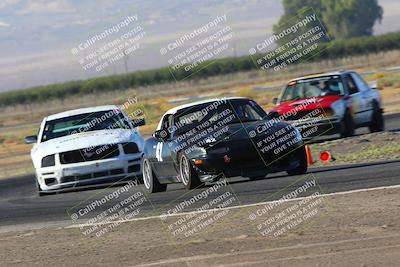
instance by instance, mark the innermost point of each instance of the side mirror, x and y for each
(138, 122)
(161, 134)
(31, 139)
(275, 100)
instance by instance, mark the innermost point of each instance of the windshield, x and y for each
(324, 86)
(241, 111)
(112, 119)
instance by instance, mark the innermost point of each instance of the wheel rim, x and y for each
(146, 174)
(185, 170)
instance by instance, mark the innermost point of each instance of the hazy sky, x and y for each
(36, 36)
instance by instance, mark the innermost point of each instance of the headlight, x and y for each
(48, 161)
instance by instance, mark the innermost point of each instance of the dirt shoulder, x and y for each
(360, 229)
(366, 148)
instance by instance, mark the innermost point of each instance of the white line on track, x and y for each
(292, 248)
(233, 207)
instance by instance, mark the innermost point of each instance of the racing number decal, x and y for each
(159, 151)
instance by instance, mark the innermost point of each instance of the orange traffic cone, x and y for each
(310, 160)
(326, 157)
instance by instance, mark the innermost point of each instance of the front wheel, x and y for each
(150, 180)
(303, 165)
(39, 189)
(42, 193)
(347, 126)
(377, 123)
(189, 177)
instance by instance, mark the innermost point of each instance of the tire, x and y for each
(42, 193)
(189, 176)
(150, 180)
(303, 165)
(347, 126)
(377, 123)
(39, 190)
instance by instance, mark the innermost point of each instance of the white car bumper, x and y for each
(89, 172)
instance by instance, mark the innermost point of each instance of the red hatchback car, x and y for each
(330, 103)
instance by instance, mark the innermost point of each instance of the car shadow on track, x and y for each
(313, 170)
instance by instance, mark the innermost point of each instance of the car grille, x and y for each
(89, 154)
(301, 115)
(82, 177)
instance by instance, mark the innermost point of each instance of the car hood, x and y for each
(243, 138)
(264, 127)
(323, 102)
(245, 131)
(88, 139)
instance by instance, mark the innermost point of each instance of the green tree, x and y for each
(294, 7)
(351, 18)
(294, 11)
(342, 18)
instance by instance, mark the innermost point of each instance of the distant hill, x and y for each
(36, 36)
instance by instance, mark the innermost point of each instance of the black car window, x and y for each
(359, 81)
(313, 87)
(351, 85)
(194, 116)
(167, 122)
(247, 111)
(190, 118)
(103, 120)
(243, 111)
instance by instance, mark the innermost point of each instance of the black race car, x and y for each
(204, 141)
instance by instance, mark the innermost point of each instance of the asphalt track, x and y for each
(19, 203)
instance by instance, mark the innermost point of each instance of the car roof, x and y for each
(181, 107)
(323, 74)
(178, 108)
(74, 112)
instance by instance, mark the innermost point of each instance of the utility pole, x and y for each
(126, 58)
(234, 50)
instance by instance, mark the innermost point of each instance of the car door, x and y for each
(164, 165)
(358, 102)
(367, 97)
